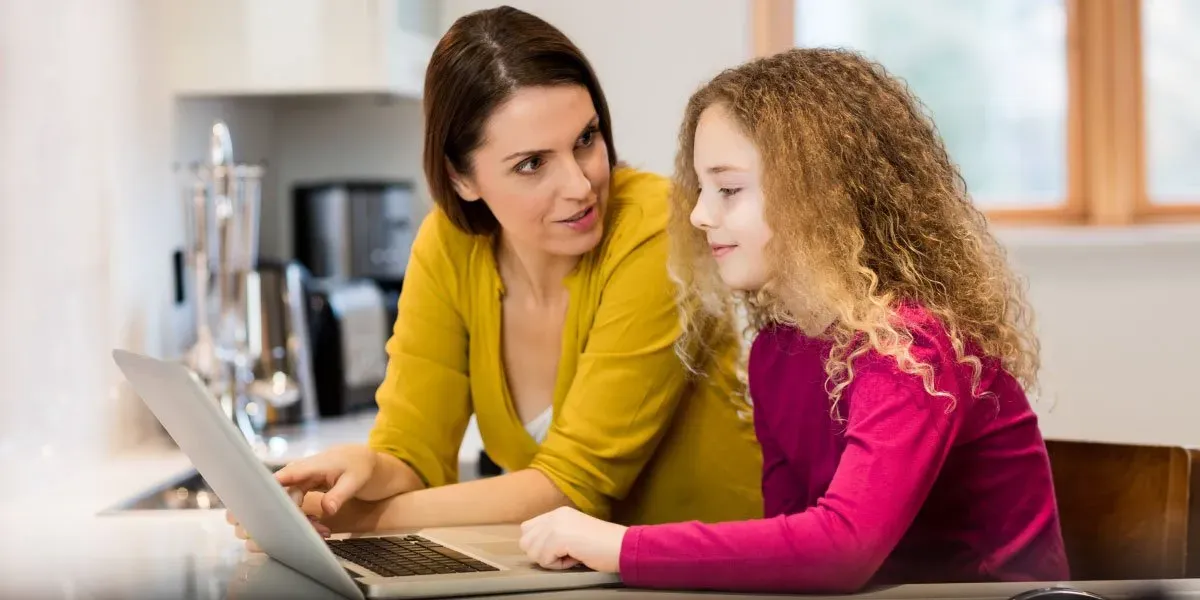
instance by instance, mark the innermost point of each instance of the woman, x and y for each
(537, 298)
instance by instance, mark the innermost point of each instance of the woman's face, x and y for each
(542, 169)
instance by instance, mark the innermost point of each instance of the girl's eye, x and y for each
(529, 165)
(729, 192)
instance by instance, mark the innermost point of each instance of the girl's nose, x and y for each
(701, 216)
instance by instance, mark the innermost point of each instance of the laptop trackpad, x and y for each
(507, 549)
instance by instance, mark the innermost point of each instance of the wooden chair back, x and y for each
(1127, 511)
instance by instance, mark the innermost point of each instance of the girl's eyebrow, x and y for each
(718, 169)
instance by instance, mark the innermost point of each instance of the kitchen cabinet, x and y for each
(299, 47)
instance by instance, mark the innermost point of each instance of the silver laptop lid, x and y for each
(191, 416)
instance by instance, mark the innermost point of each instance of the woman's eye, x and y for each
(729, 192)
(586, 139)
(529, 165)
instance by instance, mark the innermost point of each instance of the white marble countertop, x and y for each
(57, 544)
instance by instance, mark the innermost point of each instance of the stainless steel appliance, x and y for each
(354, 237)
(280, 309)
(350, 324)
(223, 201)
(354, 229)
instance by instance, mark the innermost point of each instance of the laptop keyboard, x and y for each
(403, 556)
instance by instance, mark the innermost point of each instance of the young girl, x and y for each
(893, 348)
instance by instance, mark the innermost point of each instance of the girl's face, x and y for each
(543, 170)
(730, 206)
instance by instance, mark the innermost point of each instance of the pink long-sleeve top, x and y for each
(903, 491)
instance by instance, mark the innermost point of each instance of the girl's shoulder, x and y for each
(959, 366)
(925, 334)
(931, 339)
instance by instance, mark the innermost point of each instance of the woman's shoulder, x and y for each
(630, 183)
(445, 253)
(638, 206)
(437, 233)
(439, 240)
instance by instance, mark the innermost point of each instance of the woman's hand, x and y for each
(310, 505)
(340, 473)
(565, 537)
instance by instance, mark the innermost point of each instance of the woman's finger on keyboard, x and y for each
(320, 527)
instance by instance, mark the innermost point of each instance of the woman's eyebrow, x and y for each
(593, 122)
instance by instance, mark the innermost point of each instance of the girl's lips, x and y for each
(719, 250)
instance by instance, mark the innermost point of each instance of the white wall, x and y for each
(1119, 319)
(84, 186)
(649, 55)
(90, 214)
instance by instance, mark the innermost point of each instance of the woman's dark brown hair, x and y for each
(485, 57)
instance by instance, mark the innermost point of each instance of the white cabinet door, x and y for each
(268, 47)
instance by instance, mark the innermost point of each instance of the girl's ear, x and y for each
(463, 185)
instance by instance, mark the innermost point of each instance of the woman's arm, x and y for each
(508, 498)
(424, 401)
(391, 476)
(627, 385)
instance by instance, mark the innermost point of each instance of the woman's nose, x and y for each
(576, 185)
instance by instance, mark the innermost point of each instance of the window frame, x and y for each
(1106, 149)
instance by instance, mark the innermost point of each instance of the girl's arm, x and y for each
(898, 438)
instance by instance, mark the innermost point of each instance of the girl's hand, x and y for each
(565, 537)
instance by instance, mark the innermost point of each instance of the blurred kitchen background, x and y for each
(1076, 123)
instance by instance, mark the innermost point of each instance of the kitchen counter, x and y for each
(58, 544)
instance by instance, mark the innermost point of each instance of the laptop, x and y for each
(434, 562)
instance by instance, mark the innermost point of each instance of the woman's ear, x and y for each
(463, 186)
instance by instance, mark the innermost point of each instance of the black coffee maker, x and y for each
(354, 237)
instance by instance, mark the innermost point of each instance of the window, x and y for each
(1070, 111)
(992, 74)
(1171, 80)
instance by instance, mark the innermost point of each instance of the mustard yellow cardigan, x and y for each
(633, 438)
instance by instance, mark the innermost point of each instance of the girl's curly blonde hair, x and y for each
(867, 212)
